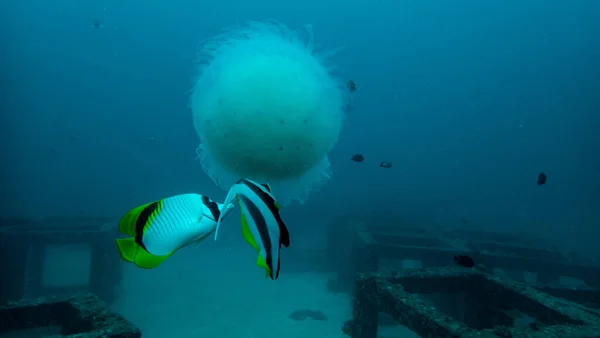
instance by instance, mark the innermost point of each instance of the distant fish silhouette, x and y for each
(357, 158)
(542, 178)
(385, 164)
(464, 261)
(351, 86)
(97, 24)
(307, 314)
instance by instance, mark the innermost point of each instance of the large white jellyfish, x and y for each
(267, 108)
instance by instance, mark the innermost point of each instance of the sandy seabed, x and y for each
(221, 293)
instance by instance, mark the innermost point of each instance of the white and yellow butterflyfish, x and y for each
(160, 228)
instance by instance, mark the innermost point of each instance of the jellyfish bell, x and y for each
(267, 107)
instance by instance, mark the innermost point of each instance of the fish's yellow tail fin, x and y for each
(261, 263)
(248, 235)
(127, 248)
(128, 221)
(130, 251)
(146, 260)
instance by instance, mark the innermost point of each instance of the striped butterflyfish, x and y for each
(262, 226)
(160, 228)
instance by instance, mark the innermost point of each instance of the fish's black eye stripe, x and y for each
(141, 221)
(261, 225)
(212, 206)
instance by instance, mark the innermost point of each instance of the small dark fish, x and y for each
(542, 178)
(357, 158)
(465, 261)
(97, 24)
(351, 86)
(464, 221)
(385, 164)
(307, 314)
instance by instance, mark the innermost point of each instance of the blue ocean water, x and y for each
(469, 100)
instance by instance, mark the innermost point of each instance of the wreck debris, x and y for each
(80, 316)
(26, 242)
(485, 298)
(370, 246)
